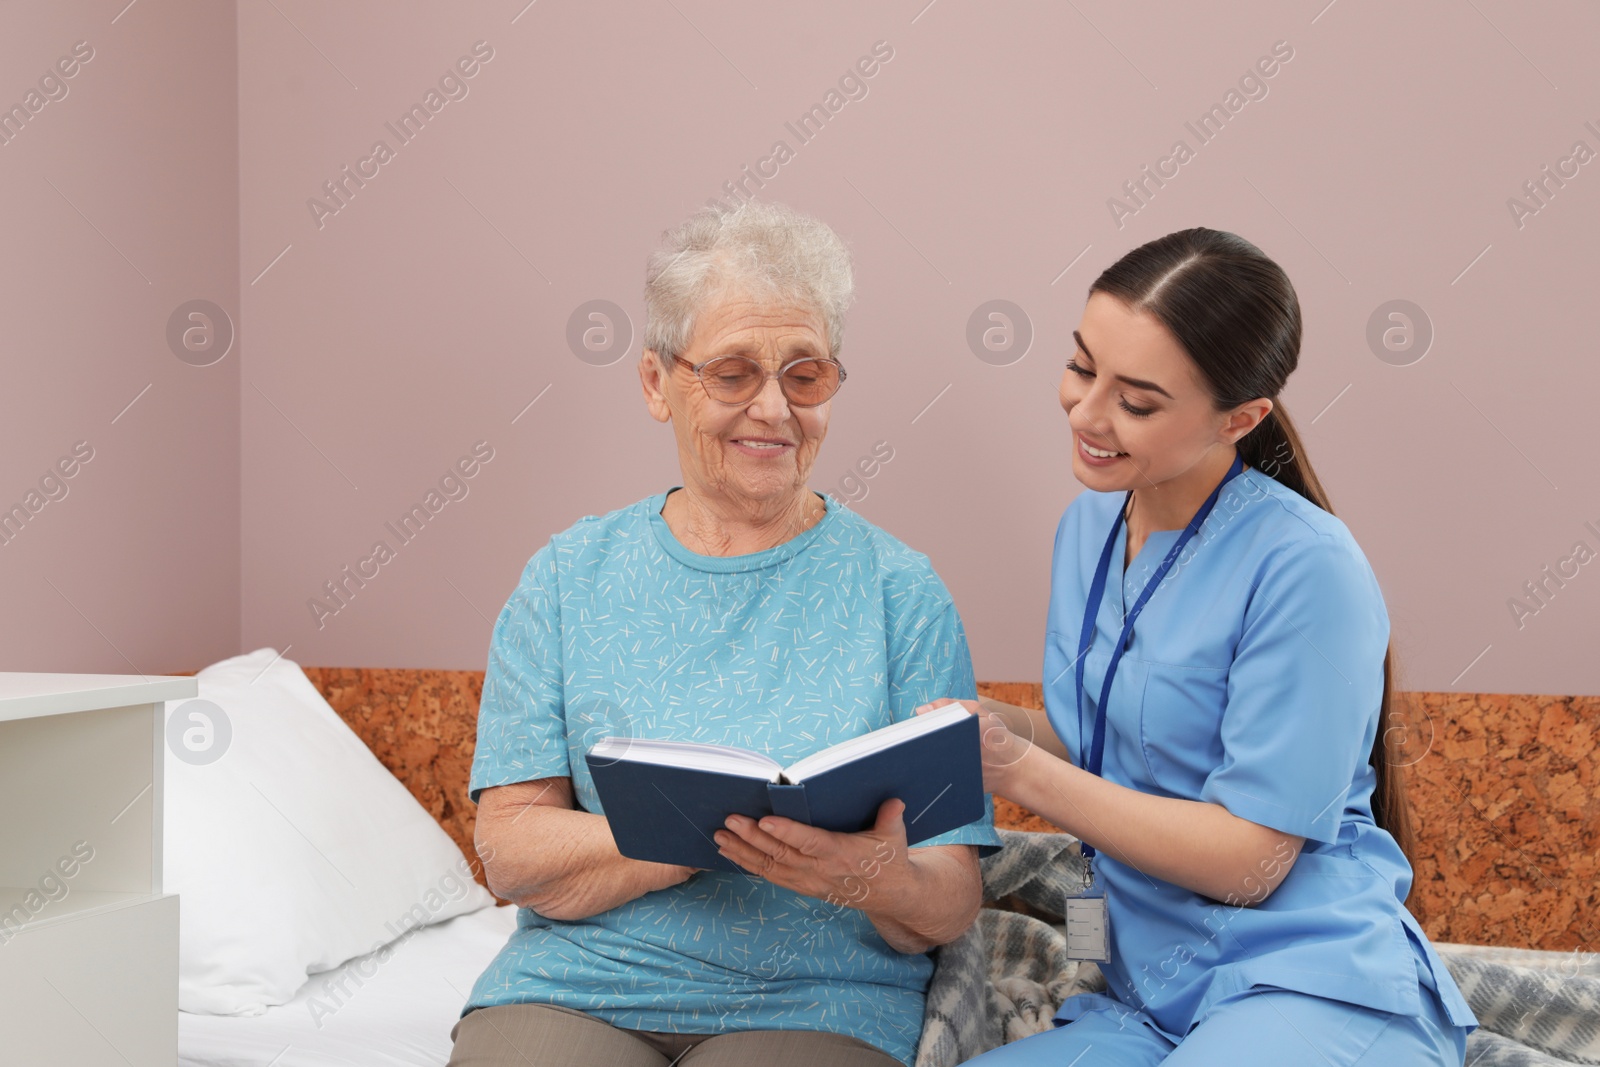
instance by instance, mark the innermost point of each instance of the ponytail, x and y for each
(1274, 449)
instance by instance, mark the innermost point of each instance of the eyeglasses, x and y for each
(806, 381)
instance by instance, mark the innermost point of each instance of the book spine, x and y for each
(790, 802)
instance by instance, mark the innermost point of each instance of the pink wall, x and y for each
(120, 186)
(383, 340)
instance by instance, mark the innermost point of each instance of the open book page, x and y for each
(689, 755)
(853, 749)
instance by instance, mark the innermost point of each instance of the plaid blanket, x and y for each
(1008, 974)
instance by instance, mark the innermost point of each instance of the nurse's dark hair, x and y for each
(1237, 316)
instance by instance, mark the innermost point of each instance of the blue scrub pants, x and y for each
(1260, 1027)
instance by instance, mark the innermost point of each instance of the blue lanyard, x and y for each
(1097, 592)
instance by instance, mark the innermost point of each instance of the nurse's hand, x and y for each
(1004, 742)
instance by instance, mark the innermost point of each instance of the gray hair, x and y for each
(766, 250)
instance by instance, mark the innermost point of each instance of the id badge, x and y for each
(1088, 924)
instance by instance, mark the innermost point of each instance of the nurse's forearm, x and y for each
(1195, 844)
(1031, 724)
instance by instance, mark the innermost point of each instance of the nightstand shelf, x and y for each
(88, 937)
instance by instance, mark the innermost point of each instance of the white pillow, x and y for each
(291, 847)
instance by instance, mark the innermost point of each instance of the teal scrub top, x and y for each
(1253, 680)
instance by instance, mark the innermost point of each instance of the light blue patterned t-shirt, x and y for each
(617, 629)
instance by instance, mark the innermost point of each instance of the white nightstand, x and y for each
(88, 940)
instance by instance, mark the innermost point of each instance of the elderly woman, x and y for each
(739, 608)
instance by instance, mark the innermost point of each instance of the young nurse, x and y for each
(1217, 696)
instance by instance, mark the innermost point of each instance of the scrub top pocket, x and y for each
(1180, 724)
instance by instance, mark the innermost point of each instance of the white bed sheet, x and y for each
(394, 1013)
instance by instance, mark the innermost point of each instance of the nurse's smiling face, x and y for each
(1142, 417)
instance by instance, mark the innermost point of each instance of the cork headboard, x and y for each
(1503, 791)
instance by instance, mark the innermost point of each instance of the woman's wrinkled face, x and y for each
(1139, 412)
(760, 451)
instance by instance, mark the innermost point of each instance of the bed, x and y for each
(366, 1013)
(394, 1004)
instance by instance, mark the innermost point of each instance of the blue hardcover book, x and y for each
(664, 799)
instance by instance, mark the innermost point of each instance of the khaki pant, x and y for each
(543, 1035)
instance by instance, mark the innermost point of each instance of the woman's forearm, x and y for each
(1195, 844)
(562, 863)
(932, 904)
(1031, 724)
